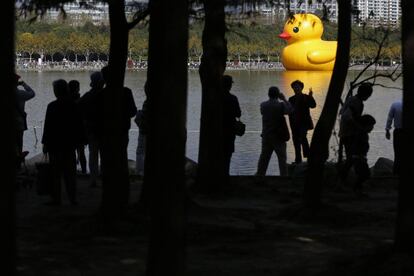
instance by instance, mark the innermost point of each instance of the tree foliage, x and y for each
(244, 40)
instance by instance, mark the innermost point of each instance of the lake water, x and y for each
(251, 89)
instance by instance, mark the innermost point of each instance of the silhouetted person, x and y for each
(275, 132)
(141, 119)
(22, 96)
(74, 88)
(91, 107)
(300, 119)
(129, 109)
(395, 116)
(231, 111)
(359, 150)
(62, 135)
(350, 114)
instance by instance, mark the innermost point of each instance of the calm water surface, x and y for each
(251, 89)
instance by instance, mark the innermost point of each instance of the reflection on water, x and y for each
(251, 89)
(317, 80)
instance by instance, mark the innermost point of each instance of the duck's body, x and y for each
(306, 50)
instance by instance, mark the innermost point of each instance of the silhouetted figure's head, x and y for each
(367, 122)
(227, 83)
(105, 73)
(97, 80)
(60, 88)
(74, 88)
(297, 86)
(364, 91)
(273, 92)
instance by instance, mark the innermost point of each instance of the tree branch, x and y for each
(138, 18)
(389, 87)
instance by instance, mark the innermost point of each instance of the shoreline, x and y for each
(255, 67)
(190, 69)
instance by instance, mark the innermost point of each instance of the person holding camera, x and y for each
(275, 132)
(24, 93)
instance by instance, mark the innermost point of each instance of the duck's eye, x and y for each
(296, 29)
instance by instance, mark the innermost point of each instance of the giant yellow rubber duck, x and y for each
(305, 50)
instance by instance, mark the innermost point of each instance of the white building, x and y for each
(97, 12)
(374, 12)
(301, 6)
(379, 12)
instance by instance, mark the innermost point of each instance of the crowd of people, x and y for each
(71, 123)
(74, 121)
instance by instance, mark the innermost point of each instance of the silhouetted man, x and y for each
(395, 116)
(300, 119)
(62, 134)
(231, 111)
(129, 109)
(91, 106)
(74, 88)
(274, 131)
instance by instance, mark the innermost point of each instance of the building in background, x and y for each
(374, 12)
(90, 10)
(378, 12)
(282, 9)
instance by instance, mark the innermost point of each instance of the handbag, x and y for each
(44, 177)
(239, 128)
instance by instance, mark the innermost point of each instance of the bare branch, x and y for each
(139, 16)
(355, 82)
(389, 87)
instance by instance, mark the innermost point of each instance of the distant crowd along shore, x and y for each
(143, 65)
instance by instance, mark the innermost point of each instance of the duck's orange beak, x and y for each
(285, 36)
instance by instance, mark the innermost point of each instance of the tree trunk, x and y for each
(213, 64)
(404, 239)
(115, 175)
(319, 149)
(165, 148)
(8, 156)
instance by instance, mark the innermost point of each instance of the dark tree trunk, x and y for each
(212, 67)
(115, 175)
(8, 155)
(319, 149)
(165, 148)
(405, 220)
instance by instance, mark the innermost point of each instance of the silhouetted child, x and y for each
(360, 148)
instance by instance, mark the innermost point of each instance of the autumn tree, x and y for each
(28, 43)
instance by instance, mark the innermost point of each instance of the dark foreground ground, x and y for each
(259, 228)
